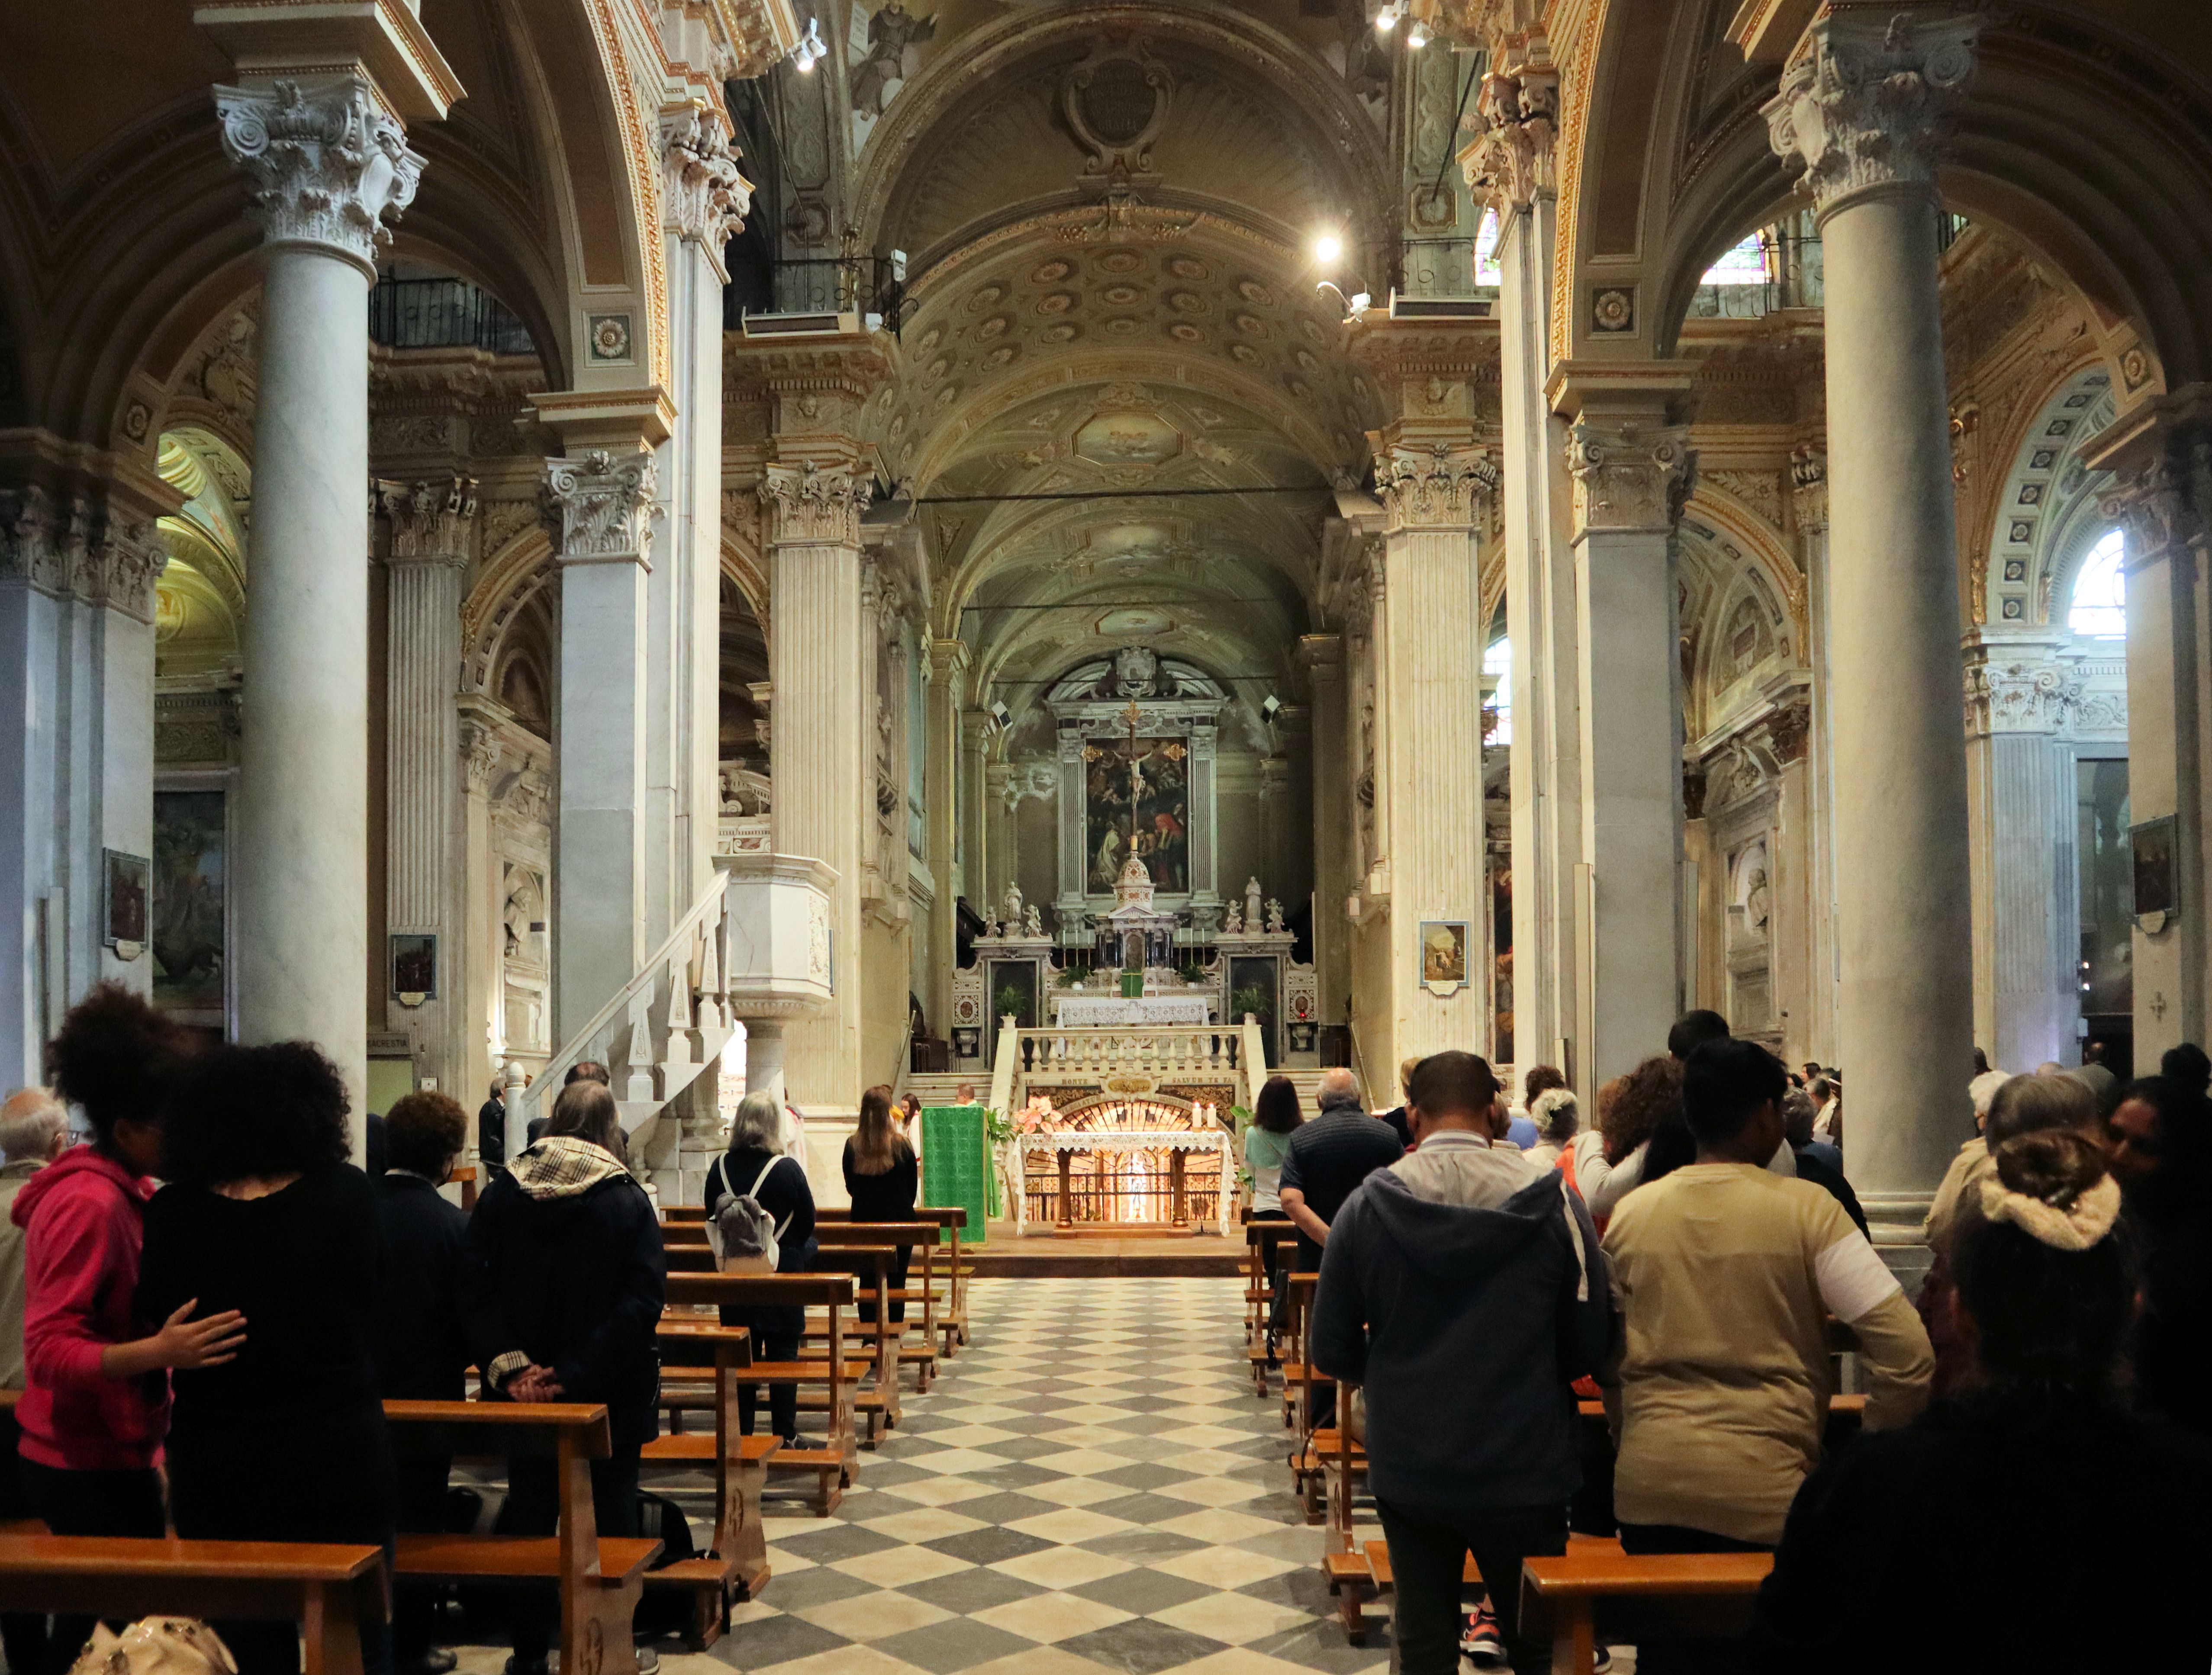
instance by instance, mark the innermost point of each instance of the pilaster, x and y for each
(2161, 454)
(1321, 656)
(941, 768)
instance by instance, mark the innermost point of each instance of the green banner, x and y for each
(955, 1167)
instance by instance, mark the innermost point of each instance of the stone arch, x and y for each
(2046, 513)
(507, 580)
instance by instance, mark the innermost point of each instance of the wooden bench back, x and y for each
(761, 1290)
(942, 1216)
(1571, 1600)
(431, 1429)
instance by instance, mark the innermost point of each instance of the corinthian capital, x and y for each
(1863, 108)
(1516, 125)
(328, 165)
(2154, 506)
(704, 197)
(1435, 490)
(430, 521)
(1631, 478)
(598, 508)
(814, 506)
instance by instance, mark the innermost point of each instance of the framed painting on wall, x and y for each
(190, 908)
(128, 881)
(2153, 847)
(1443, 955)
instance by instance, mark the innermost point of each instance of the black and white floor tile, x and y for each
(1091, 1486)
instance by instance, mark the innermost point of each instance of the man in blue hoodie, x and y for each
(1463, 1287)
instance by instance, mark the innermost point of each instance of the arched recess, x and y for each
(507, 581)
(2046, 513)
(1742, 610)
(2087, 143)
(997, 63)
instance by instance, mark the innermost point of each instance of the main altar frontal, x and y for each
(1134, 1164)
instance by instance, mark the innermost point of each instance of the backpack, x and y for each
(742, 1235)
(665, 1610)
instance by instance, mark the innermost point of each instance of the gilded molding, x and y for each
(328, 165)
(1862, 110)
(1517, 124)
(703, 196)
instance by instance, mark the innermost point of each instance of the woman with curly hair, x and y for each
(2035, 1467)
(1643, 1116)
(96, 1402)
(264, 1214)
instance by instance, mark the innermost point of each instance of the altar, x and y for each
(1140, 1164)
(1090, 1011)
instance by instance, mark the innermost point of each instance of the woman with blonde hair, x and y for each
(881, 1178)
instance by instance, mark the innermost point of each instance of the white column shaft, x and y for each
(1905, 1001)
(303, 783)
(599, 856)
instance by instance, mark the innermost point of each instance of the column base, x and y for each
(1894, 1221)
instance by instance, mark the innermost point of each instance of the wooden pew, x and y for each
(1261, 1241)
(952, 1320)
(600, 1578)
(735, 1566)
(921, 1237)
(330, 1591)
(1661, 1595)
(833, 1468)
(877, 1404)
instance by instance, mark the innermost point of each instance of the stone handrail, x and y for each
(645, 1029)
(1254, 1069)
(1214, 1051)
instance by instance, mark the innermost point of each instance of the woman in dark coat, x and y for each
(263, 1214)
(562, 1280)
(881, 1178)
(756, 1167)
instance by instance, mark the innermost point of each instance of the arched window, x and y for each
(2098, 606)
(1498, 660)
(1741, 264)
(1486, 270)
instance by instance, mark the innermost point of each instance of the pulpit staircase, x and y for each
(657, 1035)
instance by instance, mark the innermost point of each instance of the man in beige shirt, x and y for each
(1727, 1274)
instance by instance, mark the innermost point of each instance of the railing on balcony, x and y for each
(444, 313)
(862, 285)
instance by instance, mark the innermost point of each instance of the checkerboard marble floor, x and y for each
(1091, 1486)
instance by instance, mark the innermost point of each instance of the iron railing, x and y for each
(444, 313)
(862, 285)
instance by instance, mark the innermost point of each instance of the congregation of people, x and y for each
(210, 1357)
(1696, 1257)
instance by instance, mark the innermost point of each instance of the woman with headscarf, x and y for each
(2036, 1468)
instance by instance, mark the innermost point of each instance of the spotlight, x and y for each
(1387, 19)
(1417, 38)
(1270, 706)
(1001, 717)
(1327, 249)
(810, 50)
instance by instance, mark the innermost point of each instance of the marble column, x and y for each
(597, 508)
(78, 561)
(326, 164)
(2022, 820)
(1205, 822)
(1429, 688)
(474, 977)
(1510, 161)
(704, 199)
(940, 769)
(1291, 839)
(975, 749)
(824, 772)
(1632, 474)
(432, 525)
(1321, 657)
(1859, 108)
(2161, 452)
(1808, 496)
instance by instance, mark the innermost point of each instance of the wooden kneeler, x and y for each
(735, 1567)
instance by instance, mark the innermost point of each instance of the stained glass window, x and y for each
(1742, 264)
(1498, 661)
(1486, 270)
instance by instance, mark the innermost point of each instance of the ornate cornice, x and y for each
(1862, 110)
(1435, 490)
(328, 165)
(598, 508)
(2157, 507)
(704, 197)
(430, 521)
(1631, 478)
(814, 506)
(78, 545)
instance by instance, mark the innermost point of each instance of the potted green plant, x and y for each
(1251, 998)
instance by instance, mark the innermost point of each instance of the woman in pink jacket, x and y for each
(96, 1403)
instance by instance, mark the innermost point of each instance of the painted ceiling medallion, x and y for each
(1120, 261)
(1056, 302)
(1121, 296)
(1187, 302)
(1252, 291)
(1053, 272)
(1057, 334)
(1190, 268)
(987, 296)
(1183, 332)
